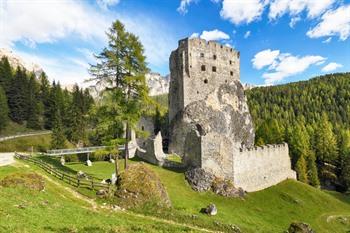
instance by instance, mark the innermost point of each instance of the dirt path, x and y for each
(6, 159)
(23, 135)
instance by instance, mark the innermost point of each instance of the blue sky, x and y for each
(280, 40)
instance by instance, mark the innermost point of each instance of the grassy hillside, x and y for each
(40, 143)
(270, 210)
(57, 210)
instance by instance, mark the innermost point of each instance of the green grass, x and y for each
(270, 210)
(40, 143)
(13, 128)
(57, 210)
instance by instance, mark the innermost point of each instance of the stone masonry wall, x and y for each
(261, 167)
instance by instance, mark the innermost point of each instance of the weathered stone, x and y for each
(81, 175)
(226, 188)
(101, 192)
(88, 163)
(210, 210)
(152, 151)
(62, 161)
(199, 179)
(300, 227)
(210, 123)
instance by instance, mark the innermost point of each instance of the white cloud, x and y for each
(327, 40)
(331, 66)
(242, 11)
(314, 8)
(104, 4)
(194, 35)
(247, 34)
(333, 23)
(282, 65)
(293, 21)
(214, 35)
(265, 58)
(35, 21)
(182, 9)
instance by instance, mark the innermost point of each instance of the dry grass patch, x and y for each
(30, 181)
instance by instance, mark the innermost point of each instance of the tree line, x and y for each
(313, 117)
(38, 104)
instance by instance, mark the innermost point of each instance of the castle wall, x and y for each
(261, 167)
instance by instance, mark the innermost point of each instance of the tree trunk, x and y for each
(127, 131)
(116, 157)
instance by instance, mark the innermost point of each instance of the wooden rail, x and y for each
(88, 182)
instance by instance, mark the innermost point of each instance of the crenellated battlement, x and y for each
(264, 147)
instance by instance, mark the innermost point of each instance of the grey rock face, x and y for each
(300, 227)
(226, 188)
(199, 179)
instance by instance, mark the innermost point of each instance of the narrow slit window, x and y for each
(205, 81)
(230, 62)
(214, 57)
(203, 68)
(231, 73)
(214, 69)
(202, 55)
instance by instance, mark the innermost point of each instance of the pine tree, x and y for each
(17, 96)
(312, 170)
(5, 74)
(44, 103)
(57, 139)
(3, 109)
(122, 68)
(300, 168)
(344, 148)
(33, 111)
(325, 142)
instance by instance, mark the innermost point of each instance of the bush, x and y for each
(31, 181)
(139, 186)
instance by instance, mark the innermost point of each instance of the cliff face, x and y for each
(16, 60)
(157, 84)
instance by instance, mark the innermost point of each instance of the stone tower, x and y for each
(197, 68)
(208, 114)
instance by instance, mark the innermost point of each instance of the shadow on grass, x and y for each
(340, 196)
(176, 168)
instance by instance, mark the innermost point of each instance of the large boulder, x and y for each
(224, 187)
(300, 227)
(138, 186)
(210, 210)
(199, 179)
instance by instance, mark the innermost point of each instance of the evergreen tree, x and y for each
(33, 117)
(344, 148)
(300, 168)
(57, 139)
(17, 96)
(312, 170)
(122, 69)
(5, 74)
(325, 142)
(270, 132)
(44, 103)
(3, 109)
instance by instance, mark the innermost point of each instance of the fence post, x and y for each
(62, 176)
(92, 183)
(78, 183)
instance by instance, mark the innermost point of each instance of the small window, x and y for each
(205, 81)
(225, 81)
(214, 57)
(202, 54)
(238, 54)
(203, 68)
(231, 73)
(220, 46)
(143, 128)
(230, 62)
(214, 69)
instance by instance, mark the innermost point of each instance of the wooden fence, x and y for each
(76, 181)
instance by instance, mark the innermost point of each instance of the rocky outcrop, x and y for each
(157, 84)
(16, 60)
(207, 131)
(300, 227)
(199, 179)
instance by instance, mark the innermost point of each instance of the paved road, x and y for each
(23, 135)
(6, 158)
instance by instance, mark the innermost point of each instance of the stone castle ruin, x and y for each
(210, 123)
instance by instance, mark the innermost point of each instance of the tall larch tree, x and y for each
(121, 70)
(5, 74)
